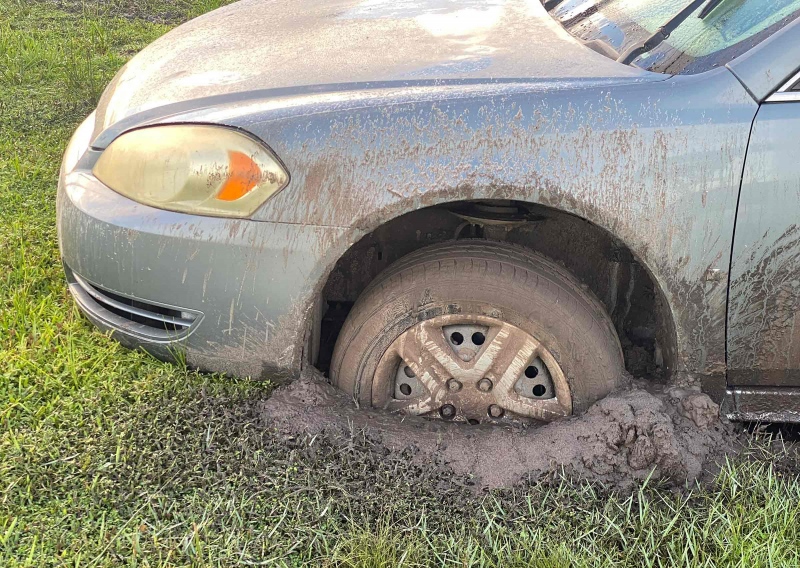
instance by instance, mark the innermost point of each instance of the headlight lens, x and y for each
(206, 170)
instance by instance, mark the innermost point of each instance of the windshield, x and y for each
(696, 45)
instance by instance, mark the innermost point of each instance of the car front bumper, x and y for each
(227, 295)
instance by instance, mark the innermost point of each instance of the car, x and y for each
(475, 211)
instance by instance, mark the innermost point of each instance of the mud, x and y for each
(669, 434)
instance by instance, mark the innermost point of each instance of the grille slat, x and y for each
(107, 299)
(137, 317)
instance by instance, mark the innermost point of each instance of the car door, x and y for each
(764, 298)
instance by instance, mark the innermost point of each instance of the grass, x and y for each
(109, 458)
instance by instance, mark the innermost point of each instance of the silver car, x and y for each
(479, 210)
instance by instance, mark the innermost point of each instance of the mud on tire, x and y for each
(491, 280)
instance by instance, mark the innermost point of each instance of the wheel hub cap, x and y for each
(471, 368)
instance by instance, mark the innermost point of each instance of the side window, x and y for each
(792, 85)
(789, 92)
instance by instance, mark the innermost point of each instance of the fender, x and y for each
(673, 206)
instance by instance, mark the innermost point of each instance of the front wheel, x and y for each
(477, 331)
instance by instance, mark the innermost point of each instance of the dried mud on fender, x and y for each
(675, 434)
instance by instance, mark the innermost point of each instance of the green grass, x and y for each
(108, 457)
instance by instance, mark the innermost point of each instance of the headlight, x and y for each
(207, 170)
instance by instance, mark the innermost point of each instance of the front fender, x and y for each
(656, 164)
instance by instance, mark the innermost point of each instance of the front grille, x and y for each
(152, 321)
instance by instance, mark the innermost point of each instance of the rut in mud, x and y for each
(673, 434)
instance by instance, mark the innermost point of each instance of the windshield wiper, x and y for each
(661, 33)
(708, 8)
(550, 4)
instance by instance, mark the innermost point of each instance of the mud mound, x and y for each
(675, 434)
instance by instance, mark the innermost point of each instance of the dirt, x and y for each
(669, 434)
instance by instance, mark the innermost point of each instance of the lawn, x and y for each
(108, 457)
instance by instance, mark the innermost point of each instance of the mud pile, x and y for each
(673, 433)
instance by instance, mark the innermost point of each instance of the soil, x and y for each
(644, 430)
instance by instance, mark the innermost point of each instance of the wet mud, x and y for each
(645, 430)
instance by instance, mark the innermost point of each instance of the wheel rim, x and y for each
(471, 368)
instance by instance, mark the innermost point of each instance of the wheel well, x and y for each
(604, 264)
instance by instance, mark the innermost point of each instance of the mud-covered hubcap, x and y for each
(472, 368)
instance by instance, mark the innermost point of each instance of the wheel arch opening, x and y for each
(603, 263)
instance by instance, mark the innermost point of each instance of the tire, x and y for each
(496, 280)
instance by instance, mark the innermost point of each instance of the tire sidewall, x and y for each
(543, 311)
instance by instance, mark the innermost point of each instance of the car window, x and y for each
(696, 45)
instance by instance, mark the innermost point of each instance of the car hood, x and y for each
(298, 44)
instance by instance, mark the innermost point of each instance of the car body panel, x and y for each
(765, 404)
(765, 67)
(252, 281)
(641, 161)
(764, 308)
(255, 44)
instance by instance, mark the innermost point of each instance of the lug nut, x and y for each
(496, 411)
(447, 411)
(485, 385)
(454, 385)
